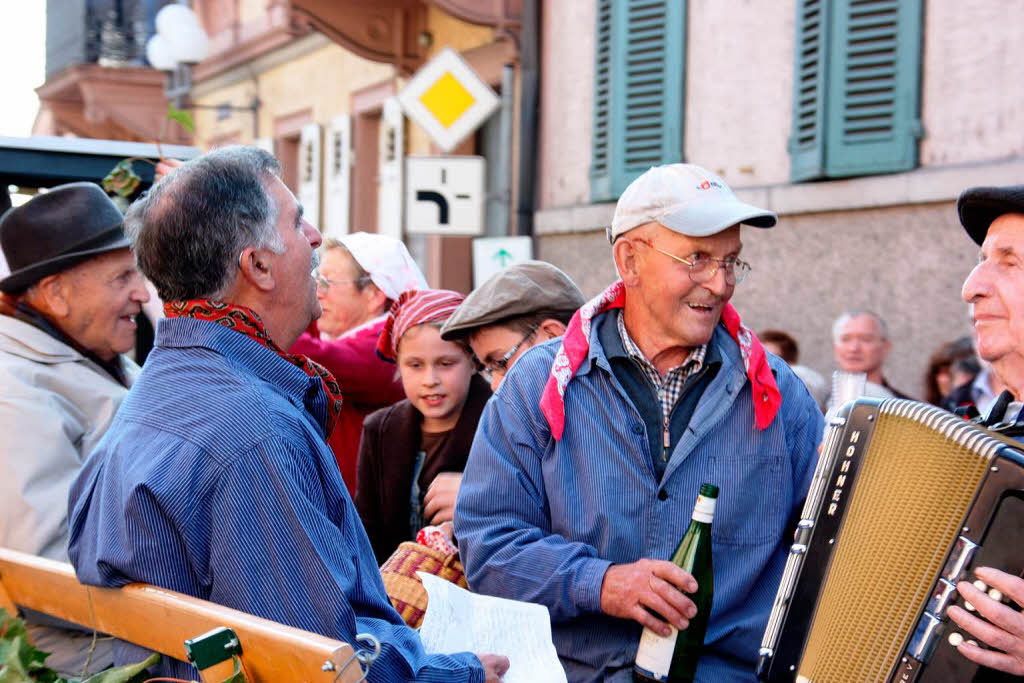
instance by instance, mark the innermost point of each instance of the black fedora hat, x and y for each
(54, 231)
(979, 206)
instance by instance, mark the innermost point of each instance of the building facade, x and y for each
(98, 84)
(315, 82)
(858, 122)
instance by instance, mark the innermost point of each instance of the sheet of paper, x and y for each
(460, 621)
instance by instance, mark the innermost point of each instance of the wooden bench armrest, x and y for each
(161, 620)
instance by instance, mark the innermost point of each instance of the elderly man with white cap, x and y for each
(589, 458)
(360, 275)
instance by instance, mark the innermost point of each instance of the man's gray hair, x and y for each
(189, 230)
(837, 326)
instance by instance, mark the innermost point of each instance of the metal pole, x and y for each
(504, 189)
(528, 96)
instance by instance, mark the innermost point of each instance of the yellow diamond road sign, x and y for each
(447, 99)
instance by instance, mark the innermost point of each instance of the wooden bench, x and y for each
(161, 620)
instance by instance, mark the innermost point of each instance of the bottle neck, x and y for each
(704, 510)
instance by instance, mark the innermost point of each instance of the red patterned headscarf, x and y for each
(415, 307)
(248, 322)
(576, 343)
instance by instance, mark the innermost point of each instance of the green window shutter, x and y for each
(873, 89)
(600, 169)
(638, 91)
(650, 130)
(807, 143)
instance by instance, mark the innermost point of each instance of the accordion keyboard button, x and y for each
(955, 639)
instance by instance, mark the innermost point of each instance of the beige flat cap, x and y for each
(522, 289)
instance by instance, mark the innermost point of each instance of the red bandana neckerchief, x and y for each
(576, 343)
(246, 321)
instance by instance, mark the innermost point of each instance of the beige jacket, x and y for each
(54, 406)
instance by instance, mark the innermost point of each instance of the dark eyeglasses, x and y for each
(500, 366)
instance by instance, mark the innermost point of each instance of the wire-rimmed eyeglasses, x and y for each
(325, 283)
(702, 268)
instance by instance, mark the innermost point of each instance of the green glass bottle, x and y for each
(674, 657)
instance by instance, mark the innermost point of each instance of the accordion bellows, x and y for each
(903, 497)
(913, 475)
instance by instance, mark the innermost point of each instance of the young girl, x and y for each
(426, 437)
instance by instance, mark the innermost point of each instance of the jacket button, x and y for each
(662, 495)
(638, 428)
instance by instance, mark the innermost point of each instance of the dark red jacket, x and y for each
(367, 384)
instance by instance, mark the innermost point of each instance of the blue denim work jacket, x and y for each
(542, 520)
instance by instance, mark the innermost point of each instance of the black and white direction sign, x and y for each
(444, 195)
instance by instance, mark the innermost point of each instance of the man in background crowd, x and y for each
(861, 344)
(360, 275)
(67, 313)
(215, 479)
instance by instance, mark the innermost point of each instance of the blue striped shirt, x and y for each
(541, 520)
(215, 480)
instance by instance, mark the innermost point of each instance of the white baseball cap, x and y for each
(685, 198)
(386, 260)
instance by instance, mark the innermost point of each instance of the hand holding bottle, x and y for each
(630, 590)
(672, 657)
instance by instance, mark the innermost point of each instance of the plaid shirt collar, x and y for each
(669, 388)
(693, 363)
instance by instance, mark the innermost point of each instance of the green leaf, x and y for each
(125, 674)
(20, 660)
(183, 117)
(122, 180)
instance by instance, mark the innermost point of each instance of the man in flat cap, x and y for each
(514, 310)
(67, 313)
(994, 219)
(589, 457)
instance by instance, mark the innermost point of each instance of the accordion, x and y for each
(906, 499)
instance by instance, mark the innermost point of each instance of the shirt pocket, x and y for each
(754, 499)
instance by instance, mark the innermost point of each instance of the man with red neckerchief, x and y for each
(215, 478)
(589, 457)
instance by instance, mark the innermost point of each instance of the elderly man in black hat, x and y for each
(994, 218)
(67, 313)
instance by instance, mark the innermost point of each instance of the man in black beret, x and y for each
(994, 219)
(67, 313)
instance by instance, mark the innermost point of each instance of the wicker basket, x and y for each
(405, 588)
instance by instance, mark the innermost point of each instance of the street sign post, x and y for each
(447, 99)
(444, 195)
(493, 254)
